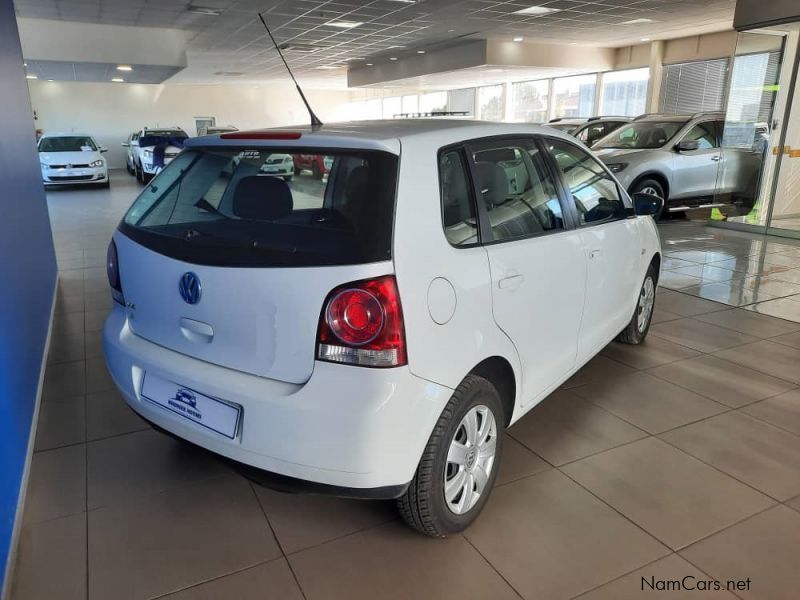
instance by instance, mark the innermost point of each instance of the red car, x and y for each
(318, 164)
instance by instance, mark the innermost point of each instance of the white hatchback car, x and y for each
(372, 335)
(72, 158)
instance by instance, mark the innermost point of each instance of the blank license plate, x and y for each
(216, 415)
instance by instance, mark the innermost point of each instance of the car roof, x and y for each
(681, 118)
(66, 134)
(384, 135)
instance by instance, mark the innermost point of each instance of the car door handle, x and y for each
(716, 158)
(595, 253)
(511, 281)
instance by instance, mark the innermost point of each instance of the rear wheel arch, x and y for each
(499, 372)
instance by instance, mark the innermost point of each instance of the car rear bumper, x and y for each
(348, 430)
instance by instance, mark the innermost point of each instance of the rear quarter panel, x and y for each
(440, 352)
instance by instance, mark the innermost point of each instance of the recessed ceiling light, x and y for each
(420, 51)
(495, 70)
(327, 67)
(204, 10)
(636, 21)
(50, 80)
(450, 30)
(392, 58)
(118, 80)
(518, 39)
(644, 40)
(394, 47)
(124, 68)
(24, 64)
(31, 77)
(369, 64)
(343, 24)
(537, 10)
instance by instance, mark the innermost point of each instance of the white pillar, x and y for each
(656, 72)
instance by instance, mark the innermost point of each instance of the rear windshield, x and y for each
(73, 143)
(175, 133)
(254, 207)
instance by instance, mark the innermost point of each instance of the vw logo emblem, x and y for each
(190, 288)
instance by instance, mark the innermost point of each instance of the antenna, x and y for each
(315, 122)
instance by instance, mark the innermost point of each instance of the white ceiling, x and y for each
(232, 47)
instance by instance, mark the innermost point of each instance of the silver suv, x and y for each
(680, 159)
(589, 130)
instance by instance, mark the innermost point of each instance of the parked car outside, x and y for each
(364, 339)
(281, 165)
(72, 158)
(152, 157)
(130, 152)
(680, 158)
(318, 164)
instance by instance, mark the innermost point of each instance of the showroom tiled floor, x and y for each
(679, 457)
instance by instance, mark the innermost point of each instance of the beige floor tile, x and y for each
(707, 272)
(51, 560)
(671, 263)
(782, 308)
(63, 380)
(61, 422)
(749, 322)
(270, 580)
(517, 462)
(550, 538)
(721, 380)
(57, 484)
(301, 521)
(763, 548)
(176, 539)
(699, 335)
(97, 376)
(788, 339)
(750, 450)
(565, 427)
(393, 562)
(597, 369)
(675, 280)
(653, 352)
(648, 402)
(675, 497)
(782, 411)
(657, 580)
(125, 467)
(94, 344)
(96, 319)
(794, 503)
(685, 304)
(107, 414)
(768, 357)
(750, 266)
(662, 316)
(736, 292)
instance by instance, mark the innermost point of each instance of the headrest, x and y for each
(262, 198)
(496, 155)
(356, 186)
(492, 183)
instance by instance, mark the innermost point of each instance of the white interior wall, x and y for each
(110, 111)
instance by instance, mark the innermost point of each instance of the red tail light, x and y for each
(362, 324)
(112, 270)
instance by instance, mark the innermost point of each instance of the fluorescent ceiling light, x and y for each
(205, 10)
(518, 39)
(392, 58)
(31, 77)
(644, 40)
(118, 80)
(537, 10)
(369, 64)
(327, 67)
(420, 51)
(343, 24)
(637, 21)
(49, 80)
(124, 68)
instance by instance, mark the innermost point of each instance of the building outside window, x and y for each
(529, 101)
(391, 107)
(433, 102)
(624, 93)
(462, 100)
(574, 96)
(491, 103)
(410, 104)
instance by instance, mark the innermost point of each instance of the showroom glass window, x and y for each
(462, 101)
(530, 101)
(594, 192)
(516, 190)
(392, 107)
(491, 102)
(624, 93)
(410, 104)
(433, 102)
(574, 96)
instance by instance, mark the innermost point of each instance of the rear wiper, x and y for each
(205, 205)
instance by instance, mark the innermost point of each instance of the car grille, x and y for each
(71, 178)
(69, 166)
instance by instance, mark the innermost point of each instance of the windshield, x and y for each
(641, 135)
(176, 133)
(76, 143)
(252, 207)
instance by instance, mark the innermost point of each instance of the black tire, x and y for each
(423, 506)
(147, 178)
(315, 170)
(138, 173)
(633, 333)
(297, 170)
(287, 178)
(649, 185)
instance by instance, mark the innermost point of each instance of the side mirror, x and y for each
(688, 145)
(125, 144)
(647, 204)
(103, 149)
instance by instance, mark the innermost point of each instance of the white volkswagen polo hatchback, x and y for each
(372, 334)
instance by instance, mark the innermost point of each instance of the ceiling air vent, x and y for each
(302, 48)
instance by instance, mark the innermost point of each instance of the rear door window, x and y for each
(458, 208)
(246, 207)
